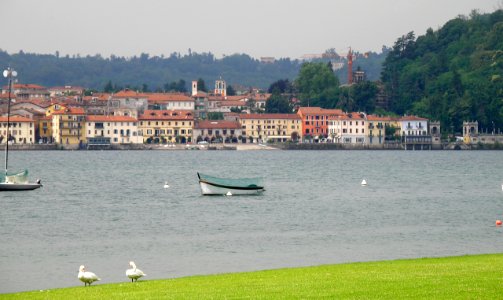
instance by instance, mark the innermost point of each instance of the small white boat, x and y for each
(364, 182)
(226, 186)
(13, 181)
(18, 182)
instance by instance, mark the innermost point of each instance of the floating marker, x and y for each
(498, 222)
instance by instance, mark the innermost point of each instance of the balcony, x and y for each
(70, 126)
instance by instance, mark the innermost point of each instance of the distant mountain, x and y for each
(156, 72)
(453, 74)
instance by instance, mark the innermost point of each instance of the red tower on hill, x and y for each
(350, 66)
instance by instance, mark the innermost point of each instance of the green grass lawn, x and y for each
(463, 277)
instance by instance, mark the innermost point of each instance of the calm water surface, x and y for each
(105, 208)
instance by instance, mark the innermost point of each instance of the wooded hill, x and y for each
(156, 73)
(453, 74)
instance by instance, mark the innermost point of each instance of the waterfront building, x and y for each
(116, 129)
(217, 131)
(271, 127)
(436, 137)
(414, 132)
(315, 122)
(377, 129)
(21, 130)
(472, 134)
(161, 126)
(378, 126)
(348, 128)
(68, 126)
(45, 130)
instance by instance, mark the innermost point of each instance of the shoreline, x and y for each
(249, 147)
(450, 277)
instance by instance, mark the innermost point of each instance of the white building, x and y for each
(348, 128)
(120, 129)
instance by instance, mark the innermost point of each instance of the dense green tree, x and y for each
(282, 85)
(317, 85)
(201, 86)
(365, 94)
(215, 116)
(278, 104)
(108, 87)
(452, 74)
(230, 90)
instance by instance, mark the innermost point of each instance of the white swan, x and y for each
(134, 273)
(166, 185)
(87, 277)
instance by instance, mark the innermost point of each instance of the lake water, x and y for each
(105, 208)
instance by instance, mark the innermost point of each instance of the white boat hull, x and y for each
(19, 186)
(210, 189)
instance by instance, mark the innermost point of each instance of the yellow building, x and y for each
(55, 107)
(271, 127)
(119, 129)
(21, 129)
(162, 126)
(68, 126)
(45, 129)
(377, 128)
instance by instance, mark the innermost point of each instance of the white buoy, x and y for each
(364, 182)
(166, 185)
(229, 193)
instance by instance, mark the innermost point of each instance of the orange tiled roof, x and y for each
(356, 116)
(102, 118)
(200, 94)
(15, 119)
(27, 86)
(97, 96)
(166, 115)
(259, 97)
(269, 116)
(241, 98)
(380, 118)
(70, 111)
(412, 118)
(319, 111)
(128, 94)
(218, 124)
(161, 97)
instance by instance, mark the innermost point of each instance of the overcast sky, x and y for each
(279, 28)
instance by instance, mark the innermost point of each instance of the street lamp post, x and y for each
(9, 73)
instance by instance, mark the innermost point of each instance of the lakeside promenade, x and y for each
(250, 147)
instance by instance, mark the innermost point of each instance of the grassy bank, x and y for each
(464, 277)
